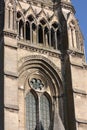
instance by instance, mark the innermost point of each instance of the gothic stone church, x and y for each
(43, 84)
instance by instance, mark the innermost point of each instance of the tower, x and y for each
(41, 56)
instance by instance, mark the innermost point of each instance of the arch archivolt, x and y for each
(44, 69)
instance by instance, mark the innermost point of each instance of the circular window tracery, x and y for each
(37, 84)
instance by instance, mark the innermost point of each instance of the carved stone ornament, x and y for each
(36, 84)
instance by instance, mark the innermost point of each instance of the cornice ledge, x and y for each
(82, 121)
(11, 107)
(79, 91)
(75, 53)
(11, 74)
(11, 46)
(77, 65)
(84, 65)
(37, 48)
(10, 34)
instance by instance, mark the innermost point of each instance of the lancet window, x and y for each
(21, 29)
(10, 16)
(38, 112)
(72, 35)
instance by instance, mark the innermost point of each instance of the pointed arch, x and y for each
(30, 11)
(54, 19)
(42, 15)
(43, 21)
(30, 18)
(19, 14)
(47, 67)
(55, 25)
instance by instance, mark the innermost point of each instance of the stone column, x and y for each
(11, 19)
(7, 20)
(49, 38)
(37, 35)
(24, 30)
(70, 38)
(43, 37)
(14, 21)
(21, 32)
(74, 37)
(30, 33)
(56, 40)
(18, 28)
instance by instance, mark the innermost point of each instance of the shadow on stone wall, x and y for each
(1, 65)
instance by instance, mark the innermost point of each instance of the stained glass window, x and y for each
(45, 112)
(37, 111)
(30, 112)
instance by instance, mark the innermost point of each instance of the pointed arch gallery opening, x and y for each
(40, 31)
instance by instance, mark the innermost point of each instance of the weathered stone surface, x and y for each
(11, 120)
(56, 60)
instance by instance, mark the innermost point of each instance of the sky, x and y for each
(81, 14)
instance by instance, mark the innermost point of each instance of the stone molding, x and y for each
(81, 121)
(10, 34)
(10, 74)
(11, 46)
(45, 65)
(79, 91)
(11, 107)
(75, 53)
(38, 57)
(39, 49)
(81, 66)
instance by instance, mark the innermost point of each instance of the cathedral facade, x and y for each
(42, 66)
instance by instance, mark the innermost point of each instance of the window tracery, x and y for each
(38, 104)
(10, 15)
(37, 84)
(75, 36)
(38, 112)
(40, 31)
(72, 34)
